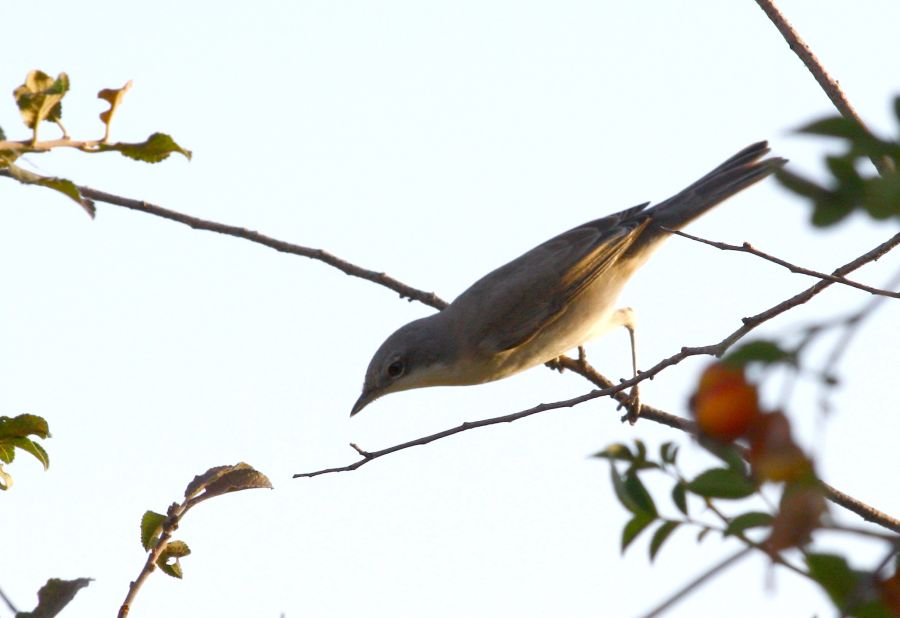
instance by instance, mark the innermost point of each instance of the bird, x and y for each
(553, 298)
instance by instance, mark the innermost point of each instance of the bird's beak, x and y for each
(367, 397)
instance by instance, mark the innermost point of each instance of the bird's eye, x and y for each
(395, 369)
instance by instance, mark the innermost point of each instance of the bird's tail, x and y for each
(732, 176)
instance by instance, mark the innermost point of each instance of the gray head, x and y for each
(417, 355)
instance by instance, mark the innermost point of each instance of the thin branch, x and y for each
(9, 603)
(697, 582)
(828, 84)
(175, 513)
(428, 298)
(607, 389)
(748, 248)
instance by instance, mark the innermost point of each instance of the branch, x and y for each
(579, 366)
(405, 291)
(748, 248)
(698, 581)
(828, 84)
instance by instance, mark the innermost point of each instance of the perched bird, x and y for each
(550, 300)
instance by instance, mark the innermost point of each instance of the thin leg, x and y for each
(626, 318)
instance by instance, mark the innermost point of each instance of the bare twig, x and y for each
(828, 84)
(9, 603)
(405, 291)
(748, 248)
(697, 582)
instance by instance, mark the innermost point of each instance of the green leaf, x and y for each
(850, 183)
(722, 483)
(668, 452)
(836, 126)
(828, 211)
(618, 484)
(54, 596)
(679, 496)
(800, 185)
(169, 559)
(66, 187)
(833, 573)
(745, 521)
(24, 425)
(640, 450)
(634, 527)
(760, 351)
(727, 453)
(29, 446)
(849, 589)
(617, 451)
(225, 479)
(639, 494)
(39, 98)
(7, 452)
(882, 196)
(659, 537)
(156, 148)
(151, 526)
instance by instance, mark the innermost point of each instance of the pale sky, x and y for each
(433, 141)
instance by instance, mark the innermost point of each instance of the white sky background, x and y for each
(433, 141)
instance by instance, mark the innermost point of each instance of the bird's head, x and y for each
(417, 355)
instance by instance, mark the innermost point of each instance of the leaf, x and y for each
(39, 98)
(800, 185)
(225, 479)
(24, 425)
(728, 454)
(30, 446)
(6, 480)
(156, 148)
(836, 126)
(7, 452)
(640, 450)
(151, 526)
(882, 196)
(54, 596)
(66, 187)
(761, 351)
(639, 494)
(722, 483)
(745, 521)
(829, 211)
(114, 98)
(634, 527)
(659, 537)
(668, 452)
(679, 497)
(617, 451)
(169, 559)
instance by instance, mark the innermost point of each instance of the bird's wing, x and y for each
(517, 301)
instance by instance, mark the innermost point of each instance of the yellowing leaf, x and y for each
(113, 97)
(39, 98)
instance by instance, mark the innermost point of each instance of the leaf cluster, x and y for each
(849, 190)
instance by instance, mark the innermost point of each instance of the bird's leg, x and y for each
(626, 318)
